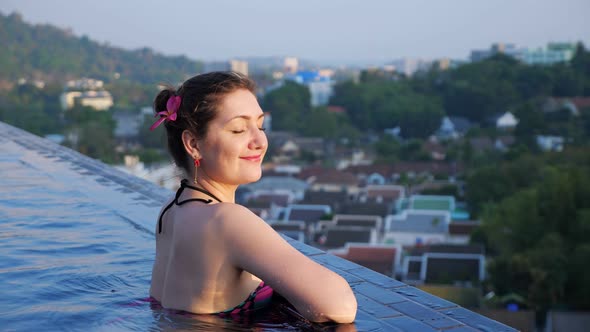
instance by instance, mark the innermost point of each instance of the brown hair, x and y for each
(201, 97)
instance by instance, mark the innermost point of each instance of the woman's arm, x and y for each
(316, 292)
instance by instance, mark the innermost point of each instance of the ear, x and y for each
(191, 144)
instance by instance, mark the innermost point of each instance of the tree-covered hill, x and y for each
(54, 55)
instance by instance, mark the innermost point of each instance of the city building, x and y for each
(291, 65)
(280, 184)
(309, 213)
(39, 84)
(453, 127)
(84, 84)
(417, 227)
(319, 83)
(377, 257)
(506, 121)
(444, 263)
(381, 192)
(86, 92)
(99, 100)
(409, 66)
(238, 66)
(550, 143)
(552, 53)
(497, 48)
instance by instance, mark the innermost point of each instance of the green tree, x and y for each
(422, 120)
(491, 183)
(411, 150)
(31, 108)
(151, 139)
(322, 123)
(96, 140)
(580, 63)
(351, 96)
(482, 89)
(533, 81)
(531, 122)
(379, 105)
(387, 149)
(536, 232)
(129, 94)
(288, 105)
(567, 82)
(57, 54)
(94, 132)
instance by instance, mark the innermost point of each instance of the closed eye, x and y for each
(237, 131)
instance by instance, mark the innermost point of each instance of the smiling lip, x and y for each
(252, 158)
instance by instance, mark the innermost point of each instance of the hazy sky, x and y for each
(322, 30)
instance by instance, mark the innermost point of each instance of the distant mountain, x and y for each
(53, 54)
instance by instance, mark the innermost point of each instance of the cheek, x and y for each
(224, 153)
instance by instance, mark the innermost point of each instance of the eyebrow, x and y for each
(245, 117)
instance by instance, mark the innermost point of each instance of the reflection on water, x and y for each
(69, 263)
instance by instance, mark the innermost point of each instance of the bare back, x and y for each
(192, 271)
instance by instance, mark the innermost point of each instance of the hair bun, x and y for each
(162, 98)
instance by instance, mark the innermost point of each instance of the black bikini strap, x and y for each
(184, 184)
(161, 215)
(175, 200)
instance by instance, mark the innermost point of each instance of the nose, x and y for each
(258, 140)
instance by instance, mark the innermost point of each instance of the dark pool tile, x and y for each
(367, 322)
(476, 320)
(384, 296)
(103, 180)
(351, 278)
(424, 298)
(303, 248)
(337, 262)
(373, 308)
(94, 168)
(425, 315)
(461, 329)
(376, 278)
(407, 324)
(113, 178)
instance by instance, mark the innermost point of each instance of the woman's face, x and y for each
(235, 144)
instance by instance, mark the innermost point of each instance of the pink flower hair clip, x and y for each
(169, 114)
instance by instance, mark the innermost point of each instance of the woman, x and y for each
(215, 256)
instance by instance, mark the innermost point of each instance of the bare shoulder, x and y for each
(238, 227)
(230, 217)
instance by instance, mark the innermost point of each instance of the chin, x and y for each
(252, 177)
